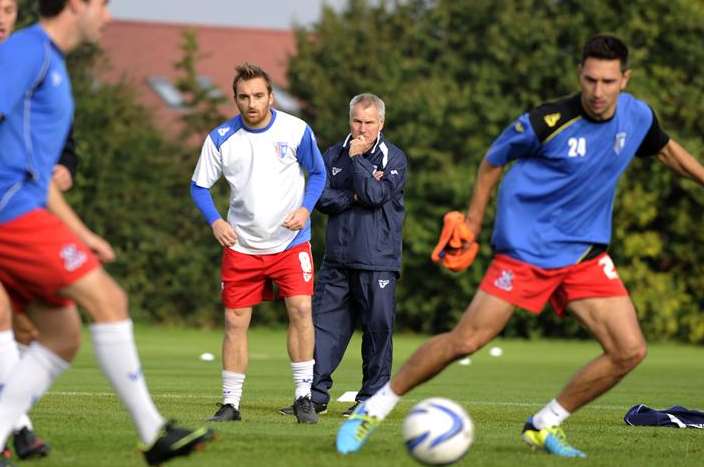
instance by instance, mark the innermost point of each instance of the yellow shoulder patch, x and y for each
(519, 127)
(552, 119)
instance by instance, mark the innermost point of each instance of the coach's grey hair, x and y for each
(367, 99)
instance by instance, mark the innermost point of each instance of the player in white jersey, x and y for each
(262, 153)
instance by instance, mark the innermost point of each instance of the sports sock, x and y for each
(552, 414)
(29, 380)
(114, 347)
(232, 384)
(383, 402)
(302, 377)
(9, 356)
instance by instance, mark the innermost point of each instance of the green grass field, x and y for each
(87, 427)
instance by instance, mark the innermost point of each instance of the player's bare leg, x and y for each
(300, 343)
(116, 352)
(235, 359)
(485, 317)
(614, 323)
(301, 332)
(235, 353)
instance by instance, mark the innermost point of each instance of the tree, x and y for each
(455, 73)
(202, 100)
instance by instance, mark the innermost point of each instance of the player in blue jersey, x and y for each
(26, 444)
(48, 257)
(552, 227)
(262, 153)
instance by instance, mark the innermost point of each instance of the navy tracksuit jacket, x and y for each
(357, 279)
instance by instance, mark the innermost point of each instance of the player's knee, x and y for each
(463, 344)
(627, 359)
(300, 314)
(108, 303)
(117, 301)
(71, 345)
(66, 346)
(236, 320)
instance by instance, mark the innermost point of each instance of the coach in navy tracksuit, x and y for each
(363, 198)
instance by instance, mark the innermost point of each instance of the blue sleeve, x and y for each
(372, 192)
(204, 202)
(517, 141)
(309, 157)
(23, 63)
(333, 200)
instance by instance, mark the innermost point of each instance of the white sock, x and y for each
(302, 377)
(553, 414)
(383, 402)
(9, 356)
(114, 347)
(29, 380)
(232, 384)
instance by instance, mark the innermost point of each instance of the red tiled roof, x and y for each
(138, 50)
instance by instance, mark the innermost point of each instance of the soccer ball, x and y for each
(438, 431)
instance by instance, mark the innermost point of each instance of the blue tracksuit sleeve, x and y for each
(204, 202)
(311, 160)
(372, 192)
(333, 200)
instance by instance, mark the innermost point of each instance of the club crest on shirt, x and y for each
(619, 142)
(505, 282)
(282, 149)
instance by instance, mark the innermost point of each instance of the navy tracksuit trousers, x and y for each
(343, 297)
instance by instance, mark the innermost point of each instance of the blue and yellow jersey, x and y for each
(556, 200)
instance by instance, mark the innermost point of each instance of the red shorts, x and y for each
(530, 287)
(39, 256)
(247, 279)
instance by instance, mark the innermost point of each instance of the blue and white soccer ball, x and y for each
(438, 431)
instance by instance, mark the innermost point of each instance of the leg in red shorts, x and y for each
(246, 280)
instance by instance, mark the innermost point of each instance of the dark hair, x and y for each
(51, 8)
(247, 71)
(606, 47)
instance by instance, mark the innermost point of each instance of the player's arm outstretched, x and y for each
(680, 161)
(58, 206)
(488, 177)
